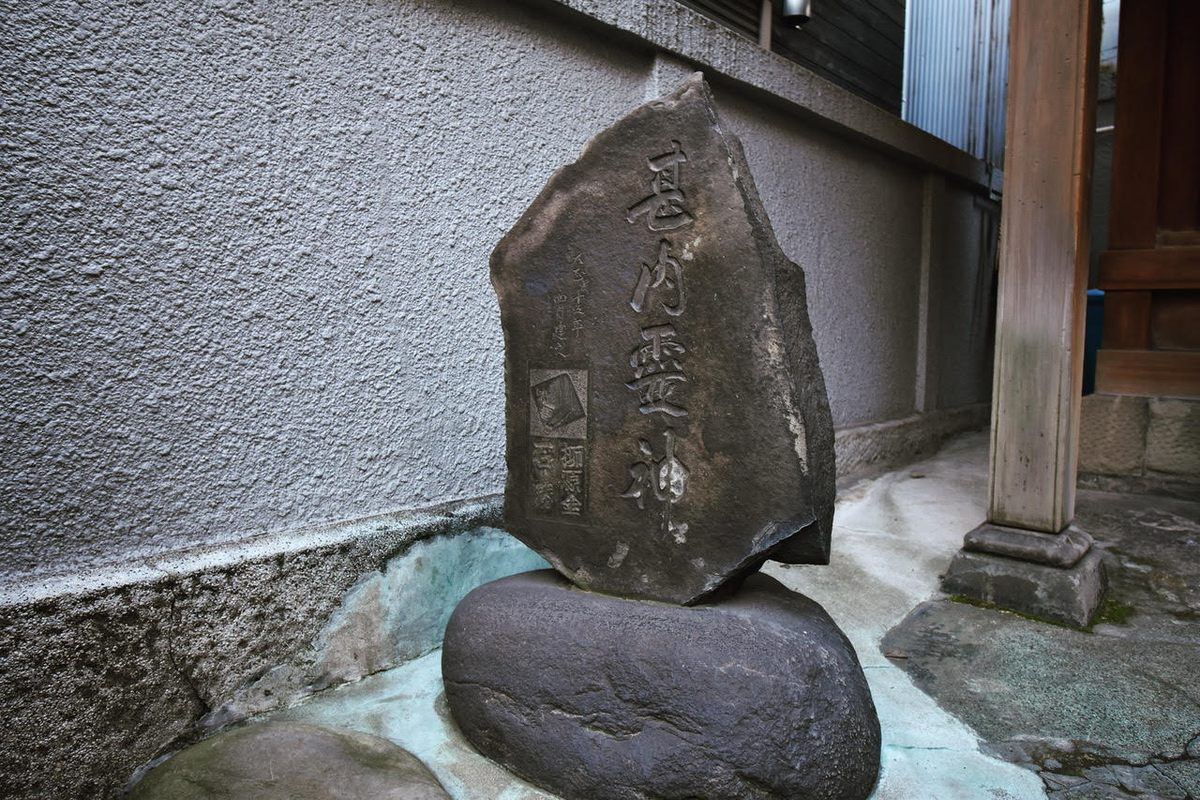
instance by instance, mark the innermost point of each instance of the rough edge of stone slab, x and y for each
(812, 544)
(1067, 596)
(1052, 549)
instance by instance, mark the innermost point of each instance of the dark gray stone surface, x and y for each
(1114, 713)
(1056, 550)
(291, 761)
(596, 697)
(1069, 596)
(668, 426)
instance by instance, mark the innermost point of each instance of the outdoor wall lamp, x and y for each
(796, 13)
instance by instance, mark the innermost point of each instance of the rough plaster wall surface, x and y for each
(965, 235)
(245, 251)
(852, 219)
(245, 285)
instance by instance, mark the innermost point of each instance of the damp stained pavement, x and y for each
(973, 703)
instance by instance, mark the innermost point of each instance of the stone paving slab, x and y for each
(1109, 713)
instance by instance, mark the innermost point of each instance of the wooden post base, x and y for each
(1055, 577)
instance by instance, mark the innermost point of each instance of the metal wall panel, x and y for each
(956, 72)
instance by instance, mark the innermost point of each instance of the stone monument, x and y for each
(668, 427)
(668, 431)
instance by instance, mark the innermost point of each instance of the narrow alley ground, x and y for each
(973, 703)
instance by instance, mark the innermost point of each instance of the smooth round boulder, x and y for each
(590, 696)
(291, 761)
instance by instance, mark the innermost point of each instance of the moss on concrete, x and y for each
(975, 601)
(1113, 612)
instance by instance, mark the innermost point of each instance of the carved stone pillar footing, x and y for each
(1059, 577)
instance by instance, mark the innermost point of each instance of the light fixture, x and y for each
(796, 13)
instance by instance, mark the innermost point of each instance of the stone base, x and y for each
(1147, 445)
(1052, 549)
(1066, 594)
(595, 697)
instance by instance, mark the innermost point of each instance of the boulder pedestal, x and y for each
(591, 696)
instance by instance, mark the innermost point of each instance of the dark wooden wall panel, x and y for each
(1151, 272)
(1173, 324)
(1136, 146)
(1179, 187)
(857, 44)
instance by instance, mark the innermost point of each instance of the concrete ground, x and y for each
(1111, 713)
(973, 703)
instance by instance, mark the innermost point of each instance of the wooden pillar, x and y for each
(1043, 263)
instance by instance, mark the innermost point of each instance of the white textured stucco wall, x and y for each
(245, 252)
(245, 248)
(964, 320)
(852, 219)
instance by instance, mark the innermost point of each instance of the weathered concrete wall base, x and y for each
(1145, 445)
(146, 660)
(151, 655)
(1137, 484)
(866, 448)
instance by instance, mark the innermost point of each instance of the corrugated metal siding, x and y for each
(1108, 32)
(956, 72)
(857, 44)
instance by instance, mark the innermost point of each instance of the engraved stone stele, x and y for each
(668, 431)
(668, 426)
